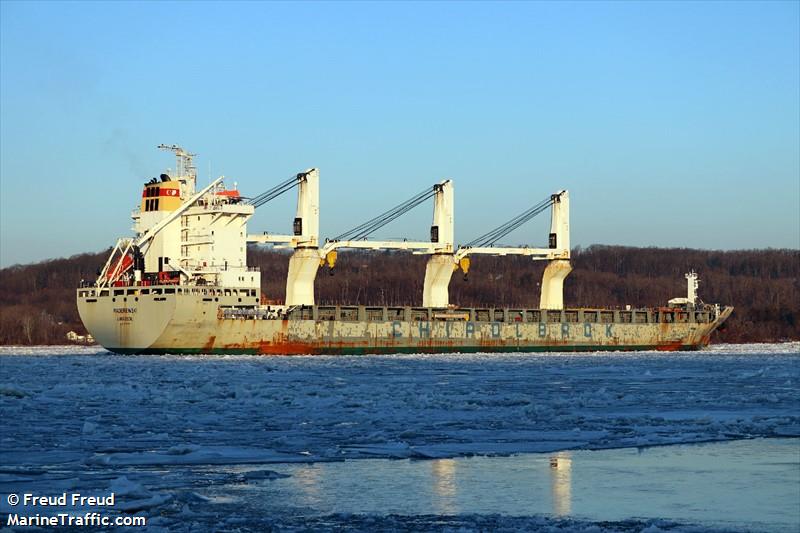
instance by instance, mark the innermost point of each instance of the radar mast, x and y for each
(184, 166)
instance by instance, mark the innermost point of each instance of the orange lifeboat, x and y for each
(119, 267)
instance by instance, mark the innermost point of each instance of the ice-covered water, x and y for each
(169, 431)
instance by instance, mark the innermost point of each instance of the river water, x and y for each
(622, 441)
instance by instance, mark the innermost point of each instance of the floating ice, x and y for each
(161, 428)
(195, 455)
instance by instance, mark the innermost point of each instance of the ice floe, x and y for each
(158, 429)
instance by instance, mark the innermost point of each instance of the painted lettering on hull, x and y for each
(308, 336)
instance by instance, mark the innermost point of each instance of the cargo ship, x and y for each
(182, 284)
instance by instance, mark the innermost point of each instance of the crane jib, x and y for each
(362, 231)
(491, 237)
(271, 194)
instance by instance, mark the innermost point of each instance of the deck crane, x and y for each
(440, 247)
(305, 235)
(557, 253)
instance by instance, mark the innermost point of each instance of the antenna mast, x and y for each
(184, 165)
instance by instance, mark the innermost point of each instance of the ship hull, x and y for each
(192, 324)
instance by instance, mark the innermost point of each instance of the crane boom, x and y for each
(441, 229)
(304, 239)
(440, 267)
(440, 247)
(305, 226)
(558, 252)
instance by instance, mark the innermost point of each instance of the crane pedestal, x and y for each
(303, 267)
(438, 272)
(553, 284)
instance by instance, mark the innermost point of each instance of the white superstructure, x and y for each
(692, 284)
(185, 237)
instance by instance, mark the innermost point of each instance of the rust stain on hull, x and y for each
(209, 346)
(189, 325)
(673, 346)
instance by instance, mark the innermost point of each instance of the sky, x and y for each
(671, 124)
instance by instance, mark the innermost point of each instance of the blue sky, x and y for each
(672, 124)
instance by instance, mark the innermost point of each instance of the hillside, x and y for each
(37, 301)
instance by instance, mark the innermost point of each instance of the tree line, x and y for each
(37, 301)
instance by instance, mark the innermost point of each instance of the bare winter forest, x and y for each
(37, 302)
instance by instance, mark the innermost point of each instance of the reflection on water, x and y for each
(561, 483)
(748, 484)
(307, 479)
(444, 485)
